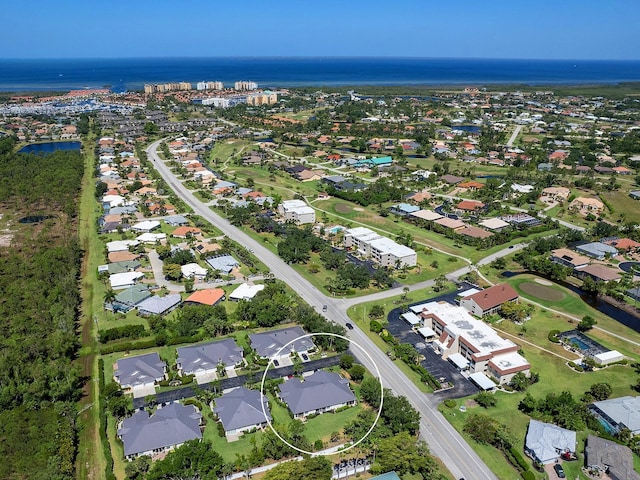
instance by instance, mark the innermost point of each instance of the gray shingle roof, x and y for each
(268, 343)
(608, 454)
(207, 356)
(140, 370)
(170, 425)
(241, 408)
(319, 390)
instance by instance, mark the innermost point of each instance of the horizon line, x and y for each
(319, 57)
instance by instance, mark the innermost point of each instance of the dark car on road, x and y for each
(349, 326)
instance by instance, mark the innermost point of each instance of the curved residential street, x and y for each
(443, 440)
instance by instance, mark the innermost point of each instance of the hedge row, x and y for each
(124, 331)
(150, 342)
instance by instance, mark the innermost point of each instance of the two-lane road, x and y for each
(443, 440)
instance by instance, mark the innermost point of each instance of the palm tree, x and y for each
(109, 296)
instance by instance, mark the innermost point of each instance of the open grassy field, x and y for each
(622, 204)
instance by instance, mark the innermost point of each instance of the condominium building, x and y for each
(297, 211)
(243, 86)
(224, 102)
(470, 343)
(382, 250)
(210, 86)
(265, 98)
(167, 87)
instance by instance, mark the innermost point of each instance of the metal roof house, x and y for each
(223, 263)
(545, 442)
(597, 250)
(618, 413)
(159, 305)
(240, 410)
(168, 428)
(318, 393)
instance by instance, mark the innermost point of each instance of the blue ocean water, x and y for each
(132, 73)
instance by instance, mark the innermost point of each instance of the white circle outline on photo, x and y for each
(308, 335)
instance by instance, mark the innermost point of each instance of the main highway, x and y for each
(443, 440)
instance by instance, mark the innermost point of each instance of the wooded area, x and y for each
(39, 384)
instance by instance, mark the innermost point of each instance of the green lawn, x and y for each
(322, 426)
(574, 305)
(622, 204)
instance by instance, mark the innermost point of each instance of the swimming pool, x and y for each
(582, 342)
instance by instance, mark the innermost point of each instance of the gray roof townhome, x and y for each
(267, 344)
(318, 393)
(129, 298)
(205, 358)
(618, 413)
(139, 371)
(609, 457)
(168, 428)
(240, 410)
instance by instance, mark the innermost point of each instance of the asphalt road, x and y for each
(443, 440)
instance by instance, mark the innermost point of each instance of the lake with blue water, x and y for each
(50, 147)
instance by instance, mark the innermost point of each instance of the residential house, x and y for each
(319, 393)
(159, 305)
(121, 245)
(610, 458)
(151, 238)
(555, 194)
(193, 270)
(245, 292)
(146, 226)
(242, 410)
(270, 344)
(569, 258)
(168, 428)
(128, 299)
(598, 272)
(467, 206)
(419, 197)
(624, 244)
(495, 224)
(207, 360)
(489, 300)
(451, 179)
(585, 206)
(474, 232)
(381, 250)
(223, 263)
(403, 209)
(119, 281)
(297, 211)
(597, 250)
(140, 373)
(471, 185)
(450, 223)
(619, 413)
(175, 220)
(545, 442)
(209, 296)
(480, 349)
(426, 215)
(185, 232)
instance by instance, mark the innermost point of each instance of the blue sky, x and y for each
(546, 29)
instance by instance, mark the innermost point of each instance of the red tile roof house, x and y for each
(471, 185)
(489, 300)
(622, 244)
(470, 206)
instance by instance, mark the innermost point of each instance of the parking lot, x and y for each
(441, 369)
